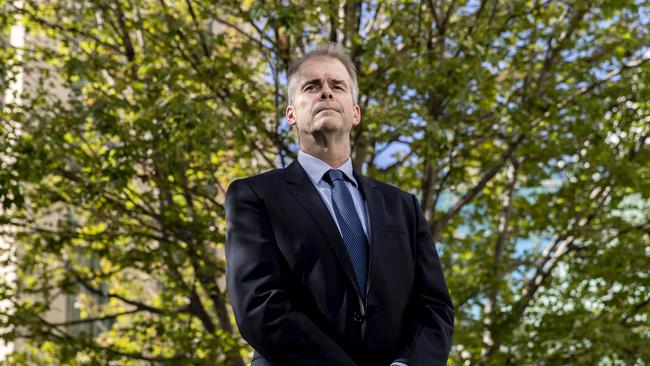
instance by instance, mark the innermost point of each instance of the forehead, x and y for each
(322, 67)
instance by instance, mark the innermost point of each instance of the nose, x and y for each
(326, 92)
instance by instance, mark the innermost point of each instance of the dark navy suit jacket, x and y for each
(292, 286)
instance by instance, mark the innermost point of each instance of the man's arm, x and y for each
(429, 340)
(256, 277)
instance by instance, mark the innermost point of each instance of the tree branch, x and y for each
(95, 319)
(88, 342)
(635, 310)
(204, 44)
(497, 265)
(98, 292)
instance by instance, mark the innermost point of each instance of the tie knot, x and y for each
(332, 176)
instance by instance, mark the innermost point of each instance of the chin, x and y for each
(328, 124)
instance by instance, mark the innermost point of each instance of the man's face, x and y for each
(323, 98)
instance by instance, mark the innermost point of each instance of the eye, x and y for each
(338, 87)
(310, 87)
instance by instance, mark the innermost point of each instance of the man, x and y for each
(324, 265)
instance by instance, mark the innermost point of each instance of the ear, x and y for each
(290, 113)
(356, 115)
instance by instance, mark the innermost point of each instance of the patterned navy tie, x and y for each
(354, 237)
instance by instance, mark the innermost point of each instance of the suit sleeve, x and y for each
(256, 275)
(428, 341)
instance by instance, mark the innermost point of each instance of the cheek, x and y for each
(304, 104)
(348, 108)
(303, 116)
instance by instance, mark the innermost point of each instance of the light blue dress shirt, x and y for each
(316, 168)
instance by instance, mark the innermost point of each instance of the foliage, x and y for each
(522, 126)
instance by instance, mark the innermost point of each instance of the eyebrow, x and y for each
(312, 81)
(317, 81)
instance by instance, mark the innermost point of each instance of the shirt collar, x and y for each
(316, 168)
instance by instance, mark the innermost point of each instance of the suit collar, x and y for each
(296, 174)
(315, 168)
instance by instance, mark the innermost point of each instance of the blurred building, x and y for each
(62, 307)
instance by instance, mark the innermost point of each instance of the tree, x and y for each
(522, 126)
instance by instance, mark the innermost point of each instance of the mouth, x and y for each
(324, 109)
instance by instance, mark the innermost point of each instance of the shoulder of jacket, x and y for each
(264, 177)
(390, 189)
(259, 180)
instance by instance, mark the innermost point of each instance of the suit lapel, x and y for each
(376, 210)
(303, 189)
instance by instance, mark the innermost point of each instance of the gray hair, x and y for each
(332, 50)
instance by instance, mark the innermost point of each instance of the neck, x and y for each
(334, 151)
